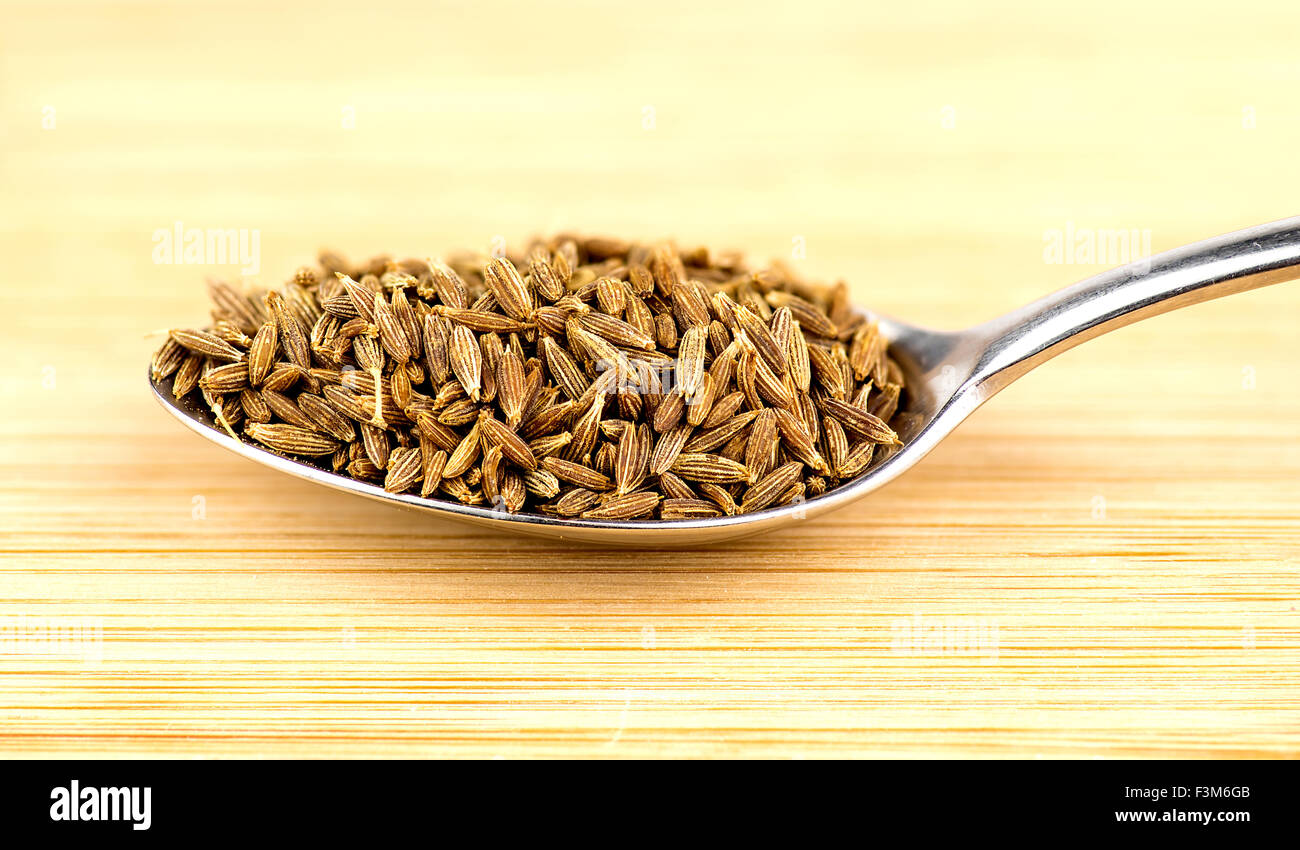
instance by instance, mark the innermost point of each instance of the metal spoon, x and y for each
(948, 375)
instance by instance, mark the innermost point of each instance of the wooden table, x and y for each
(1112, 545)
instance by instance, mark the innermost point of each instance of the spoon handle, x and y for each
(1011, 345)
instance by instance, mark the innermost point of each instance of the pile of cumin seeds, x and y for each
(588, 377)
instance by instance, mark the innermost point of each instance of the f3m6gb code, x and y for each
(1212, 791)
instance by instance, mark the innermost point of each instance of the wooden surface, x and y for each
(1118, 533)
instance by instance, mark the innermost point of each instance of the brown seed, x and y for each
(341, 306)
(665, 331)
(669, 413)
(612, 296)
(513, 491)
(286, 409)
(344, 401)
(254, 407)
(362, 468)
(762, 340)
(708, 440)
(167, 359)
(440, 435)
(466, 359)
(503, 281)
(689, 308)
(828, 373)
(761, 445)
(857, 460)
(837, 444)
(551, 320)
(224, 330)
(301, 303)
(794, 494)
(631, 460)
(405, 468)
(291, 439)
(630, 405)
(690, 360)
(586, 430)
(435, 348)
(799, 442)
(435, 461)
(700, 466)
(638, 315)
(549, 421)
(362, 298)
(483, 321)
(724, 307)
(867, 350)
(627, 506)
(734, 449)
(809, 315)
(860, 422)
(675, 487)
(511, 444)
(615, 330)
(805, 411)
(399, 383)
(697, 410)
(562, 369)
(885, 404)
(549, 445)
(490, 472)
(667, 270)
(406, 316)
(391, 333)
(461, 491)
(723, 409)
(641, 280)
(566, 257)
(261, 354)
(326, 418)
(464, 455)
(246, 314)
(719, 496)
(375, 441)
(770, 387)
(576, 473)
(671, 509)
(597, 349)
(796, 350)
(746, 378)
(542, 484)
(230, 378)
(771, 486)
(293, 339)
(575, 502)
(511, 388)
(209, 345)
(546, 280)
(450, 288)
(668, 449)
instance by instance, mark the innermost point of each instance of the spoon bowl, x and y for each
(948, 375)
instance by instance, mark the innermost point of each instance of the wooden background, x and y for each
(1127, 518)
